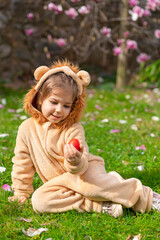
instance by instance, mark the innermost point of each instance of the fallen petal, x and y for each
(105, 120)
(155, 118)
(96, 112)
(23, 117)
(140, 168)
(2, 169)
(11, 110)
(138, 119)
(128, 96)
(122, 121)
(23, 219)
(93, 117)
(19, 110)
(2, 135)
(33, 232)
(1, 106)
(152, 135)
(142, 147)
(114, 131)
(4, 148)
(136, 237)
(88, 237)
(134, 127)
(100, 150)
(98, 107)
(3, 101)
(6, 187)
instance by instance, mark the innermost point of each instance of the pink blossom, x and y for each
(71, 12)
(114, 131)
(126, 34)
(45, 7)
(146, 13)
(30, 16)
(51, 6)
(142, 147)
(49, 37)
(61, 42)
(120, 41)
(29, 31)
(157, 33)
(6, 187)
(138, 10)
(106, 31)
(136, 13)
(83, 10)
(131, 44)
(117, 51)
(145, 23)
(133, 2)
(153, 4)
(48, 55)
(143, 57)
(89, 7)
(58, 9)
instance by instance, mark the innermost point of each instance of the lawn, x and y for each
(123, 127)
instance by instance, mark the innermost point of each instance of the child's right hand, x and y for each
(20, 199)
(72, 155)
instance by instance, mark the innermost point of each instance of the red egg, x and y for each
(75, 143)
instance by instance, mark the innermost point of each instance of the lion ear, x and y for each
(85, 77)
(40, 71)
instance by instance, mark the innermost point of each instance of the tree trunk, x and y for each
(121, 80)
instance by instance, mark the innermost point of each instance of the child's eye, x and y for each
(53, 102)
(66, 106)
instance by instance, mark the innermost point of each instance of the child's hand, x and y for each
(71, 154)
(20, 199)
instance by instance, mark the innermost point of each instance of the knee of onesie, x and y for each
(37, 202)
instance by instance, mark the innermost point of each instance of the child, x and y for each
(72, 179)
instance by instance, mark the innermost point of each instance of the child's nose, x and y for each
(59, 108)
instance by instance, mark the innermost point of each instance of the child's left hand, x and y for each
(71, 154)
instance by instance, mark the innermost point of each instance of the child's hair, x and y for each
(73, 78)
(57, 80)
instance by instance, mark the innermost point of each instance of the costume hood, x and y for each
(41, 74)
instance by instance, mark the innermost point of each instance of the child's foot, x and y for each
(113, 209)
(156, 201)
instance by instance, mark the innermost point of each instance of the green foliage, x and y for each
(119, 153)
(150, 73)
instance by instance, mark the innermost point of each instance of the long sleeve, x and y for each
(77, 132)
(23, 169)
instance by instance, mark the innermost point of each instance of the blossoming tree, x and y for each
(126, 29)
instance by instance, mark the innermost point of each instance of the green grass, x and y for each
(118, 150)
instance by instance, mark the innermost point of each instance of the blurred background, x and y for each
(117, 41)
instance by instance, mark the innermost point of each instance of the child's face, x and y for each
(57, 106)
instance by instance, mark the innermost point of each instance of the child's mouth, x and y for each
(55, 117)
